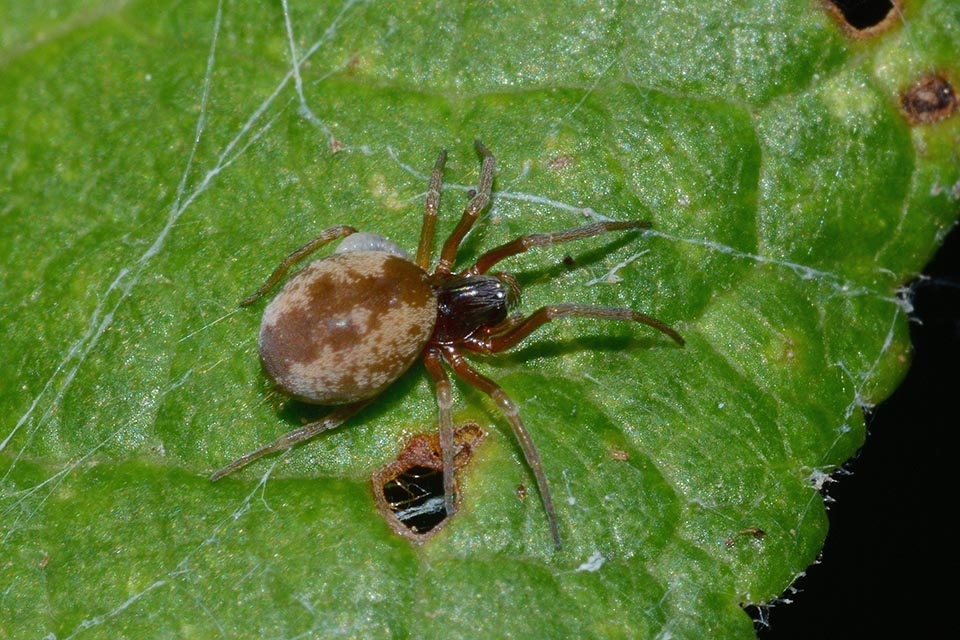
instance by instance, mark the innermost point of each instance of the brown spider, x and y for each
(347, 326)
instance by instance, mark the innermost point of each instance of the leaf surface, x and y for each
(161, 160)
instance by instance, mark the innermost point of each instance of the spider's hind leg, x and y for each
(284, 442)
(434, 365)
(327, 235)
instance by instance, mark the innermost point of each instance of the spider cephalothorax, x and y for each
(469, 304)
(347, 326)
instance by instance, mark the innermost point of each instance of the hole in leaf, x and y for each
(863, 14)
(930, 100)
(415, 497)
(409, 490)
(864, 18)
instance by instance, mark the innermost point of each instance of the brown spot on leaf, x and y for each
(930, 100)
(753, 532)
(409, 490)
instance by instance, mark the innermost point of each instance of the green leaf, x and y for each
(160, 160)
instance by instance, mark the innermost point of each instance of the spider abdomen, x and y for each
(348, 325)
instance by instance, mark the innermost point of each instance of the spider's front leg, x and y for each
(534, 240)
(513, 331)
(480, 200)
(425, 248)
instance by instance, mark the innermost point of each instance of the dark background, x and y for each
(890, 555)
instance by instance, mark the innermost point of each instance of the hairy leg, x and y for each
(327, 235)
(515, 331)
(524, 243)
(463, 369)
(425, 248)
(284, 442)
(449, 252)
(434, 365)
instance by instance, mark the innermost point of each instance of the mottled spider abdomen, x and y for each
(348, 325)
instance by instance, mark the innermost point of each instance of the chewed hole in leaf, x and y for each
(930, 100)
(864, 18)
(409, 491)
(415, 497)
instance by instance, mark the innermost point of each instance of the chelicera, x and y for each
(347, 326)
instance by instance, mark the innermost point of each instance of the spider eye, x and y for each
(511, 288)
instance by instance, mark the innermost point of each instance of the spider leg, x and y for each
(434, 365)
(425, 248)
(517, 331)
(524, 243)
(463, 369)
(449, 252)
(333, 420)
(327, 235)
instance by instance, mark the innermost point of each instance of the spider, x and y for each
(346, 326)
